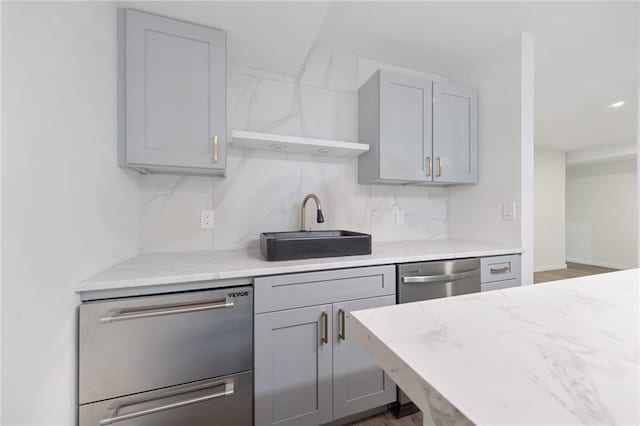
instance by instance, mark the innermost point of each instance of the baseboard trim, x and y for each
(601, 264)
(550, 267)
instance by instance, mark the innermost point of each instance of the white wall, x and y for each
(527, 95)
(599, 153)
(0, 217)
(68, 210)
(475, 211)
(602, 214)
(549, 209)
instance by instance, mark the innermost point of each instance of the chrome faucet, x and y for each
(319, 216)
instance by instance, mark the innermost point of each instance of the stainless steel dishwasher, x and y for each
(433, 280)
(172, 359)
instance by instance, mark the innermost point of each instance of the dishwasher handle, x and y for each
(439, 278)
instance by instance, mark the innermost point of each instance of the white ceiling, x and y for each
(586, 52)
(271, 36)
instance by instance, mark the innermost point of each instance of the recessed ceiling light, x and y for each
(617, 104)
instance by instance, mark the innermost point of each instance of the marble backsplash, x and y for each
(263, 190)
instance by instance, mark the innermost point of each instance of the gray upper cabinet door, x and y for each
(172, 95)
(405, 127)
(359, 383)
(455, 134)
(293, 367)
(394, 118)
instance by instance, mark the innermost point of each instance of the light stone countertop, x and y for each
(170, 268)
(560, 353)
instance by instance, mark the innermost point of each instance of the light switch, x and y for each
(400, 217)
(509, 212)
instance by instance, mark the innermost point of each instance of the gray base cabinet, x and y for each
(293, 367)
(358, 382)
(308, 370)
(172, 95)
(498, 272)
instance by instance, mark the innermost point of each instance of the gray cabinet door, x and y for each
(405, 127)
(174, 108)
(293, 367)
(359, 383)
(455, 134)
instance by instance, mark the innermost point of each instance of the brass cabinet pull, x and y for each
(215, 149)
(439, 166)
(342, 335)
(325, 326)
(500, 270)
(429, 166)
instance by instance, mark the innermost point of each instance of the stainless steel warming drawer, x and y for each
(139, 344)
(221, 401)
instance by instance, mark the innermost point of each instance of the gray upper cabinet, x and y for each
(358, 382)
(293, 367)
(394, 118)
(455, 134)
(172, 95)
(419, 132)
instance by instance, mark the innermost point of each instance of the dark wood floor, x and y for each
(388, 419)
(573, 270)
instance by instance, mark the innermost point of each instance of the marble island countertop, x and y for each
(169, 268)
(561, 353)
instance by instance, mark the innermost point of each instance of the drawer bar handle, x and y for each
(500, 270)
(342, 335)
(325, 326)
(228, 391)
(438, 278)
(224, 303)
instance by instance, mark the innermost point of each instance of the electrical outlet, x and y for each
(400, 217)
(509, 212)
(206, 219)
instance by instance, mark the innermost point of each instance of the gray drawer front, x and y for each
(498, 285)
(222, 401)
(143, 343)
(500, 268)
(280, 292)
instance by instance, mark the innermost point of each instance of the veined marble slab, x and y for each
(560, 353)
(171, 268)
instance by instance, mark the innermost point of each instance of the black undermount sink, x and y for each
(313, 244)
